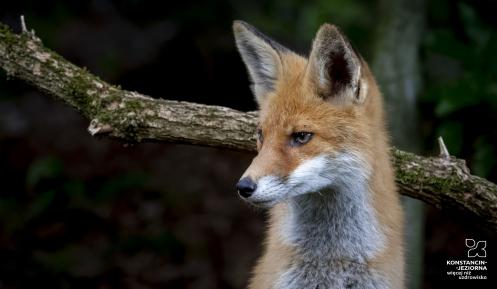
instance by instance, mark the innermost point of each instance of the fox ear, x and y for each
(261, 56)
(335, 67)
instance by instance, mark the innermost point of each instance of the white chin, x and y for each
(263, 203)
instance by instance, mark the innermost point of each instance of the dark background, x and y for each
(79, 212)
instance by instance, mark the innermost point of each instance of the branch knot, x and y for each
(97, 128)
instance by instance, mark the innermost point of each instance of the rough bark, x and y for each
(446, 183)
(133, 117)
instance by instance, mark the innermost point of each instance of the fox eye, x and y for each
(260, 136)
(300, 138)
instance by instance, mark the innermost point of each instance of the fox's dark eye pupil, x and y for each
(300, 138)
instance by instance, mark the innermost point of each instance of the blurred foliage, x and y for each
(460, 98)
(71, 228)
(295, 22)
(44, 168)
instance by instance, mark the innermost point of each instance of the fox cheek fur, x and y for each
(323, 167)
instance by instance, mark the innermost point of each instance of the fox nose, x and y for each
(246, 187)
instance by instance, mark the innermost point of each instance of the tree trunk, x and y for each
(396, 67)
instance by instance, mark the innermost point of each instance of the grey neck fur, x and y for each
(335, 232)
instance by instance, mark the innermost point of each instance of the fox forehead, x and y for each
(294, 105)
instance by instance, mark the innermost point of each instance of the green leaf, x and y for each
(43, 168)
(40, 203)
(122, 183)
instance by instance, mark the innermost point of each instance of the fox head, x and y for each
(316, 116)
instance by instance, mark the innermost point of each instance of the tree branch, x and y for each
(132, 117)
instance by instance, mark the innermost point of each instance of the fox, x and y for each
(322, 167)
